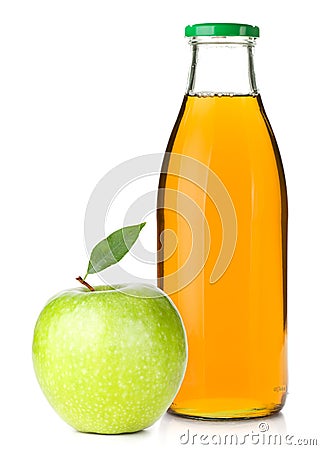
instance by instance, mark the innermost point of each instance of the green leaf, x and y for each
(113, 248)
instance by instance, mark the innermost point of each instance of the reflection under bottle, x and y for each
(182, 431)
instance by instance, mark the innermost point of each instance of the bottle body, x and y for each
(236, 321)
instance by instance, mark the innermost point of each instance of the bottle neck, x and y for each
(222, 66)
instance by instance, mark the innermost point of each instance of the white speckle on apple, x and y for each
(110, 361)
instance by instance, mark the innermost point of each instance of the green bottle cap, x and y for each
(222, 29)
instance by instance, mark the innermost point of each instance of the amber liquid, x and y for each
(236, 326)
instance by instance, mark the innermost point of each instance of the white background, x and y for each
(88, 84)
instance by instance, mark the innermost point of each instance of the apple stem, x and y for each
(82, 281)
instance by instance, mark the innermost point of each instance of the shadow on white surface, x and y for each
(141, 439)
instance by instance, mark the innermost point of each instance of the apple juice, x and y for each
(236, 321)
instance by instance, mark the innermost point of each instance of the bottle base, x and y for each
(211, 412)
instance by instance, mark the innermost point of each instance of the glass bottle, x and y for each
(222, 233)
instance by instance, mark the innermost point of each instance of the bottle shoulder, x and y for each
(232, 125)
(229, 135)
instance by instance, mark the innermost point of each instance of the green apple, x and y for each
(110, 359)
